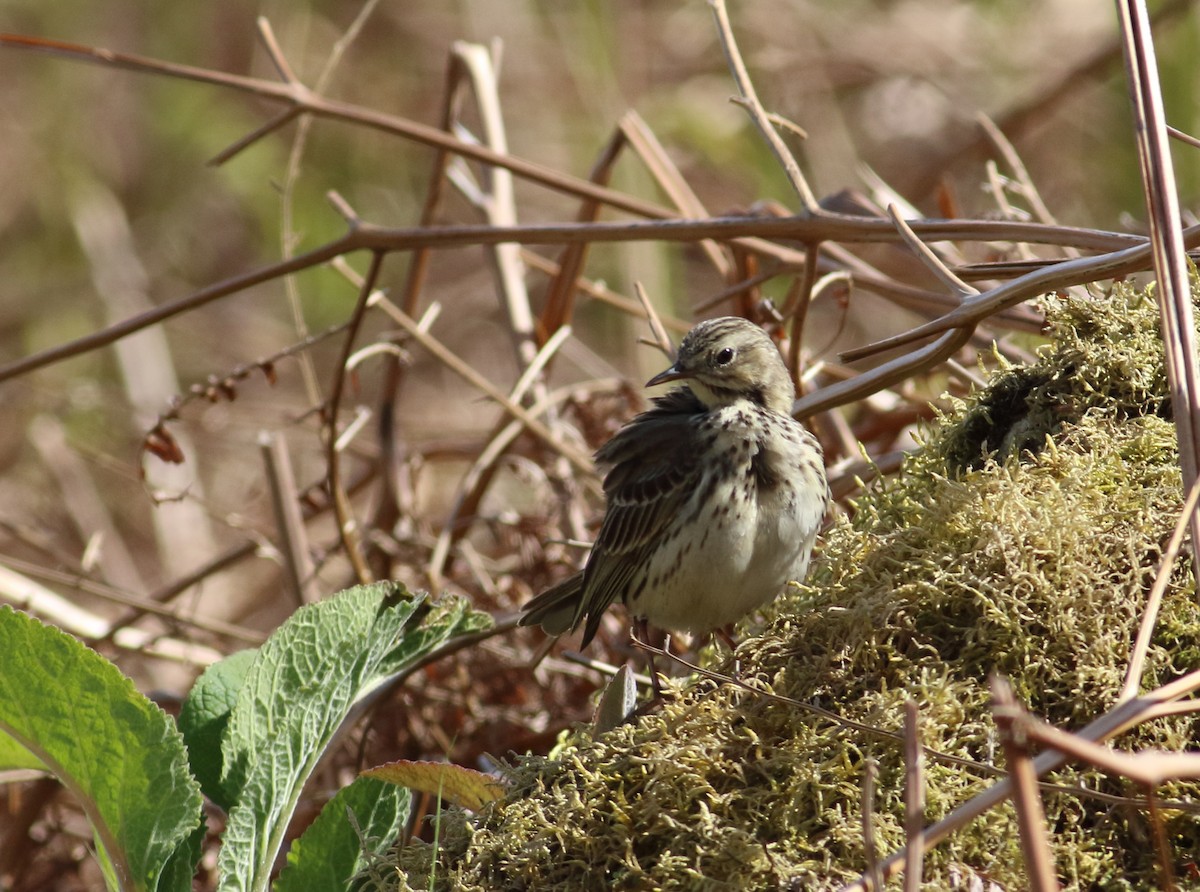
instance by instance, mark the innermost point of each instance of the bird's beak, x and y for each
(671, 374)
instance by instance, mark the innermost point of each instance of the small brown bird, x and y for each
(715, 495)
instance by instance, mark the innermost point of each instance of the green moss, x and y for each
(1107, 356)
(1022, 539)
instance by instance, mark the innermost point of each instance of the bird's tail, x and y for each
(556, 610)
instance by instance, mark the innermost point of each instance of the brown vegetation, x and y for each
(412, 388)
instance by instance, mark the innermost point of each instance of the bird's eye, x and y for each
(724, 356)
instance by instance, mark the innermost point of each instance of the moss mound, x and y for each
(1022, 539)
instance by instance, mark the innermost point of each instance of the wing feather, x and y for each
(652, 460)
(652, 463)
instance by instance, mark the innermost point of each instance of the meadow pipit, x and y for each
(715, 495)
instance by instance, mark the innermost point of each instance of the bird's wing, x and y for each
(652, 472)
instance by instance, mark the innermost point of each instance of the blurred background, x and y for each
(109, 206)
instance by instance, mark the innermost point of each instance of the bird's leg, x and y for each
(725, 633)
(641, 631)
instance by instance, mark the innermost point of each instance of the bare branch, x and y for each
(1141, 646)
(749, 99)
(1031, 819)
(914, 798)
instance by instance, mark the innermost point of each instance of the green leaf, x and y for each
(448, 614)
(617, 703)
(330, 851)
(118, 753)
(204, 716)
(180, 870)
(13, 755)
(301, 685)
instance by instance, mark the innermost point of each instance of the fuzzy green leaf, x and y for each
(204, 716)
(118, 753)
(330, 851)
(300, 687)
(15, 756)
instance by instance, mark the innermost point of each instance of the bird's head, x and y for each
(729, 359)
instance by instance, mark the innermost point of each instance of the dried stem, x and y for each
(1031, 818)
(1116, 721)
(374, 238)
(1141, 646)
(348, 530)
(289, 519)
(762, 120)
(914, 798)
(870, 850)
(1166, 236)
